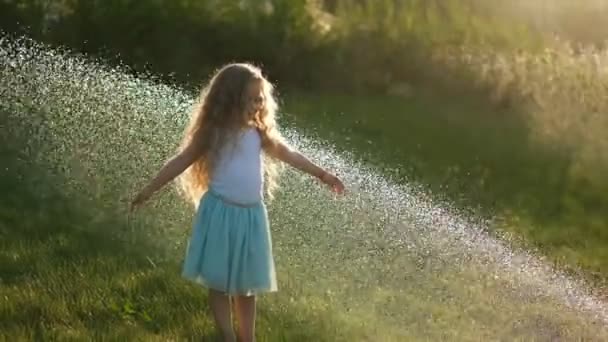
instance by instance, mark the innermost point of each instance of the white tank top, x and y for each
(238, 175)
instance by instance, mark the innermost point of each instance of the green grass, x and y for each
(73, 269)
(70, 270)
(478, 156)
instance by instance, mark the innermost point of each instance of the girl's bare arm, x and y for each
(294, 158)
(173, 168)
(301, 162)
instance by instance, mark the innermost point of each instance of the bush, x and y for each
(180, 40)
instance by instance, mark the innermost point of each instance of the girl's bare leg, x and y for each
(220, 306)
(245, 315)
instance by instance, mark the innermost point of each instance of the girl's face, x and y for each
(255, 99)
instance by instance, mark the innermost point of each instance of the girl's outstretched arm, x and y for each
(301, 162)
(173, 168)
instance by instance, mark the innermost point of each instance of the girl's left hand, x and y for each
(334, 182)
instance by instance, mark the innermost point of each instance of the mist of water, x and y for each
(385, 254)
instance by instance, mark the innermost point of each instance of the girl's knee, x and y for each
(246, 296)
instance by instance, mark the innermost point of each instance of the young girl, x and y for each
(229, 146)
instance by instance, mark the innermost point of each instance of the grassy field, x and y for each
(73, 267)
(478, 156)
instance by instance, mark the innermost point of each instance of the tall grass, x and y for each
(547, 179)
(561, 94)
(472, 51)
(556, 87)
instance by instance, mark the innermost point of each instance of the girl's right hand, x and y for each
(334, 182)
(138, 201)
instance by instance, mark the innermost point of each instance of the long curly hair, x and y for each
(218, 116)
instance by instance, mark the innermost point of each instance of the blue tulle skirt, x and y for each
(230, 249)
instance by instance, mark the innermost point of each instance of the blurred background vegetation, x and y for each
(334, 44)
(495, 104)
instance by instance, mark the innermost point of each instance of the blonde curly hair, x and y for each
(218, 116)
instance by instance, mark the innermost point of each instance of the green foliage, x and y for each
(363, 45)
(181, 40)
(356, 45)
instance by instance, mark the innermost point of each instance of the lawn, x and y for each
(477, 156)
(75, 267)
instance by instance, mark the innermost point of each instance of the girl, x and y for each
(228, 155)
